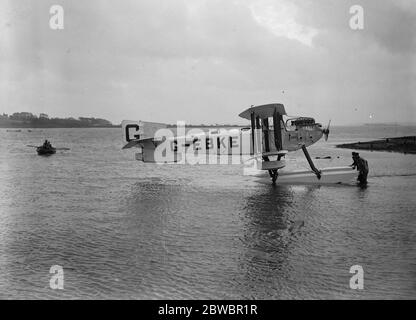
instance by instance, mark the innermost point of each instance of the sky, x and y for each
(205, 61)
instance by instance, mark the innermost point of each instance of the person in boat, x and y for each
(362, 166)
(47, 144)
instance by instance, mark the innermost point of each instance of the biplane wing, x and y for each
(266, 128)
(281, 153)
(263, 111)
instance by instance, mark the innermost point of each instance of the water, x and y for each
(124, 229)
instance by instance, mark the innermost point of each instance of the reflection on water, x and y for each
(271, 227)
(123, 229)
(266, 229)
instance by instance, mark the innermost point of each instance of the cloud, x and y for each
(281, 21)
(387, 23)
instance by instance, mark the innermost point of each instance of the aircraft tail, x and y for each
(136, 131)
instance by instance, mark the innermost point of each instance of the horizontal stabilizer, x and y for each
(134, 143)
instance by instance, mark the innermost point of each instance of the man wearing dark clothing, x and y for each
(47, 144)
(362, 166)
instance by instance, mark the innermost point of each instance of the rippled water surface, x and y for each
(124, 229)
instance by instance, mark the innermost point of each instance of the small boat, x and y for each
(44, 151)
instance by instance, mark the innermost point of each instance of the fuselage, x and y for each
(271, 133)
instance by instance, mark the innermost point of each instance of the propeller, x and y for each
(326, 131)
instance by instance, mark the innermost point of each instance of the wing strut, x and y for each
(308, 157)
(253, 127)
(277, 130)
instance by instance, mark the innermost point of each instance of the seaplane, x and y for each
(262, 146)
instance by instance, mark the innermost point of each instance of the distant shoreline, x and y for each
(28, 120)
(52, 123)
(406, 144)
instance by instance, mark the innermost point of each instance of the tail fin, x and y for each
(139, 130)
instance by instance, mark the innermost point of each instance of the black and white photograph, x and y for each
(224, 150)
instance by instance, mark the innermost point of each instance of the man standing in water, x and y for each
(362, 166)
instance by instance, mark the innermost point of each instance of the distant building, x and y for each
(22, 116)
(43, 116)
